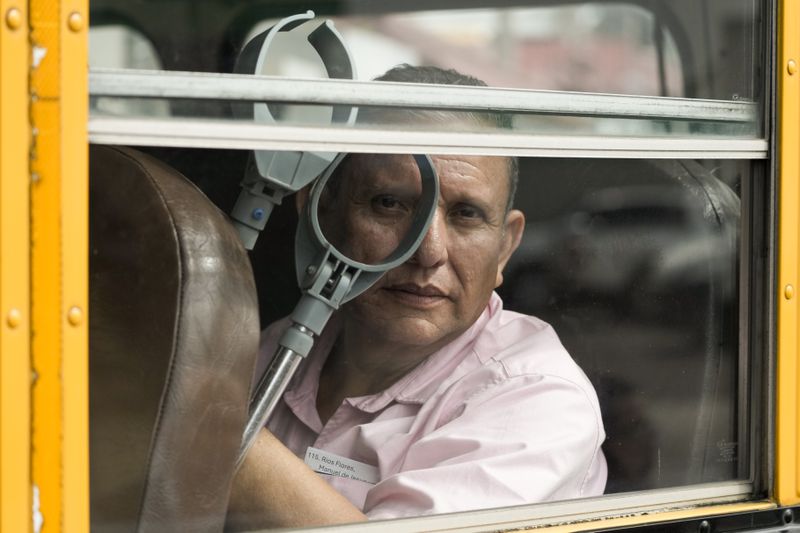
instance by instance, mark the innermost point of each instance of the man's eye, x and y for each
(387, 203)
(467, 212)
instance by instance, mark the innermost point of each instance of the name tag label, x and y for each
(336, 465)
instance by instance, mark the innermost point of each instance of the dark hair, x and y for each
(429, 74)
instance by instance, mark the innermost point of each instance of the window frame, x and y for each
(232, 134)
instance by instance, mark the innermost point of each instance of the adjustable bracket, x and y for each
(270, 174)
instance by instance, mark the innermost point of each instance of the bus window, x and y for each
(643, 183)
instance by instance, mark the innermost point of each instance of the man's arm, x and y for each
(274, 488)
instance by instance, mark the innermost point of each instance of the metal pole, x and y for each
(269, 390)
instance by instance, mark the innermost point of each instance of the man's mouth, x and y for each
(417, 295)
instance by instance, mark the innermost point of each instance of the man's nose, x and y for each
(432, 252)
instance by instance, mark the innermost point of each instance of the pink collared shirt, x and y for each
(500, 416)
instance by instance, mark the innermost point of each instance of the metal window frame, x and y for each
(231, 134)
(129, 83)
(570, 511)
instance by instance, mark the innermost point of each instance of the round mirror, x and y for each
(367, 207)
(366, 214)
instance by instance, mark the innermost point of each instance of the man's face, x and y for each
(438, 293)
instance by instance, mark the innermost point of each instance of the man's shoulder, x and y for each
(526, 345)
(519, 358)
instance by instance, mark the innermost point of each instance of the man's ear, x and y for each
(301, 198)
(512, 235)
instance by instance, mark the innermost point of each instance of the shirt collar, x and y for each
(419, 384)
(416, 387)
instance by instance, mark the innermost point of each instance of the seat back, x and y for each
(173, 340)
(636, 269)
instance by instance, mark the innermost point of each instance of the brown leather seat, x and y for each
(173, 339)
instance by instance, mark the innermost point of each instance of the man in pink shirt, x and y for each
(423, 395)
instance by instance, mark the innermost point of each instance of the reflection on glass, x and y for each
(676, 49)
(118, 46)
(635, 265)
(523, 47)
(679, 48)
(367, 206)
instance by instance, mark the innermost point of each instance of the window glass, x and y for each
(610, 48)
(664, 50)
(118, 46)
(634, 264)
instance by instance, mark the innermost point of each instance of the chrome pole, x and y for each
(270, 388)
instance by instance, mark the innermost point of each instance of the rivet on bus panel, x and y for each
(75, 316)
(14, 318)
(14, 18)
(788, 292)
(75, 21)
(791, 67)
